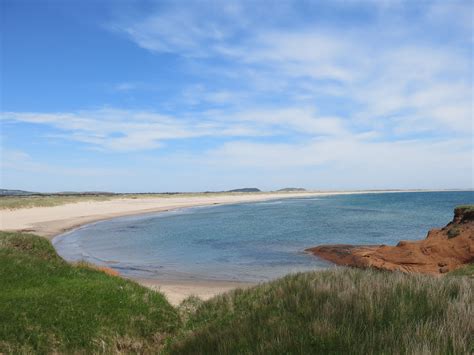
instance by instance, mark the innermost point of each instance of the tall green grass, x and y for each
(467, 270)
(49, 306)
(338, 311)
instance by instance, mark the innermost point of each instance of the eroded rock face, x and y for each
(442, 251)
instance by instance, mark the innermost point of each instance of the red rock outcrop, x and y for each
(442, 251)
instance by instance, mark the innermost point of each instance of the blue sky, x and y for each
(212, 95)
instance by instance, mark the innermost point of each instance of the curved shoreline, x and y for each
(51, 222)
(177, 289)
(42, 221)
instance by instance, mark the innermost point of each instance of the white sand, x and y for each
(51, 221)
(177, 291)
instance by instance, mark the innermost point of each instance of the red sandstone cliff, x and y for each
(442, 251)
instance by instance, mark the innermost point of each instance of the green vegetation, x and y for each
(466, 211)
(453, 232)
(15, 202)
(467, 270)
(464, 208)
(292, 189)
(47, 305)
(346, 310)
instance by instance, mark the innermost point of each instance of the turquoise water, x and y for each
(255, 241)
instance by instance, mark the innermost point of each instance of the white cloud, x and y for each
(383, 98)
(327, 163)
(122, 130)
(384, 69)
(188, 29)
(199, 94)
(301, 120)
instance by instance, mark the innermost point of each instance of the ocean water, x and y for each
(255, 241)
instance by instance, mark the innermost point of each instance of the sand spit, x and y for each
(51, 221)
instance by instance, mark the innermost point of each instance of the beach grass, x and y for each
(467, 270)
(338, 311)
(15, 202)
(44, 200)
(50, 306)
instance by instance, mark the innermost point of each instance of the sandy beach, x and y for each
(177, 291)
(53, 221)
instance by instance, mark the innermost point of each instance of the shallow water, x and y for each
(255, 241)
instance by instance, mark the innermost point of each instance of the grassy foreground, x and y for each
(342, 311)
(47, 305)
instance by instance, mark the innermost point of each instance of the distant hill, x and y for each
(246, 189)
(6, 192)
(291, 189)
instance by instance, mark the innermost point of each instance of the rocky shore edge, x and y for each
(442, 251)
